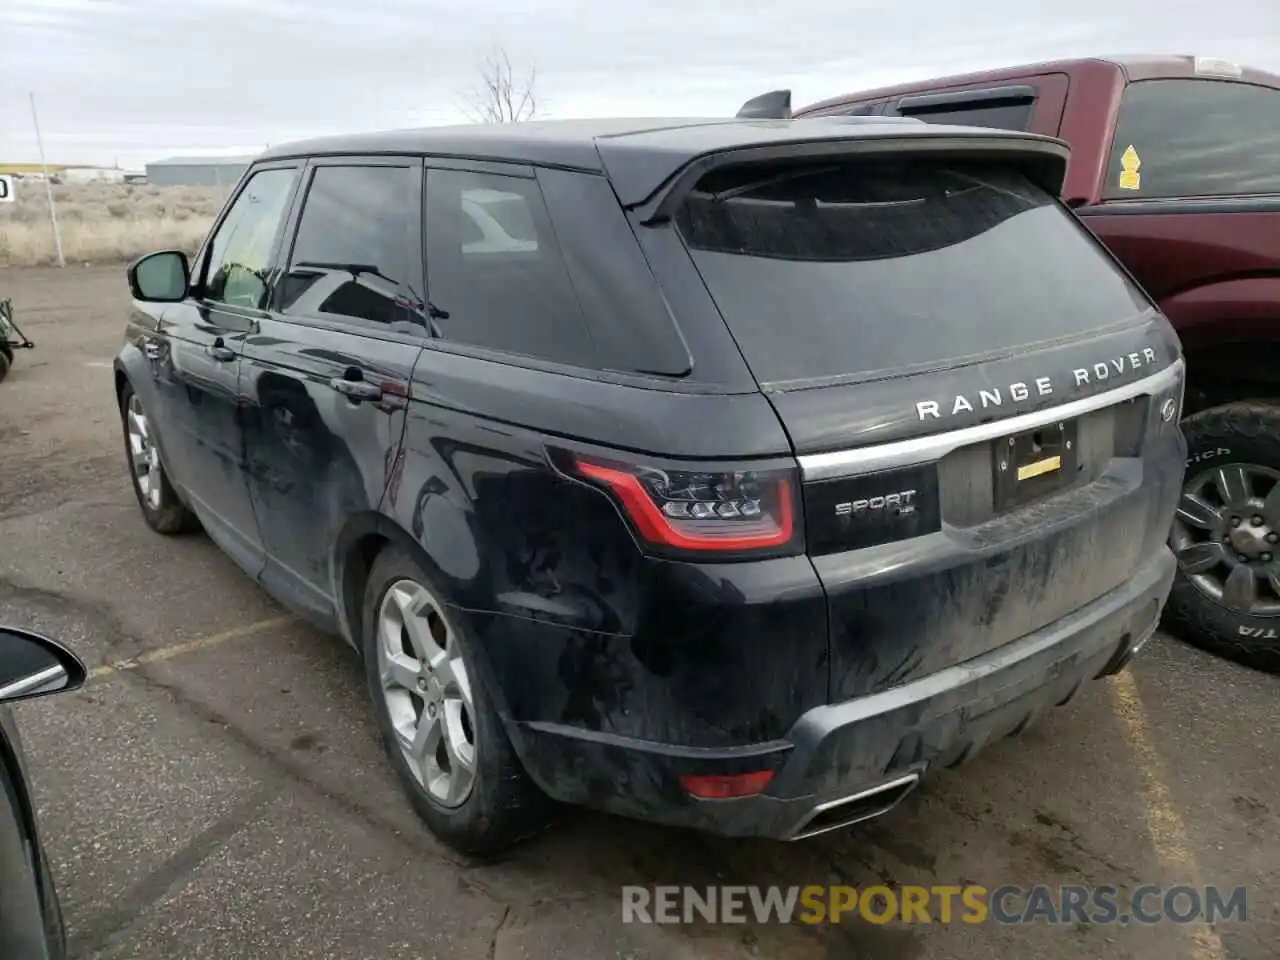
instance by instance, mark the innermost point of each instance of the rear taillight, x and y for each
(701, 511)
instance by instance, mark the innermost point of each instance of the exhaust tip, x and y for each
(1129, 649)
(863, 805)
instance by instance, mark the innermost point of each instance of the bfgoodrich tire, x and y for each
(1226, 596)
(438, 718)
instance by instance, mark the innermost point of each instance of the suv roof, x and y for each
(639, 155)
(1135, 66)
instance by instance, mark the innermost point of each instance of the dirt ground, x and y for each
(218, 788)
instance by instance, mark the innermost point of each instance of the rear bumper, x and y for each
(849, 751)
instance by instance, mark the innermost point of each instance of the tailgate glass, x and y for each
(852, 270)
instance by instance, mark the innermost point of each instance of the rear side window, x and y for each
(351, 257)
(495, 274)
(861, 269)
(999, 115)
(1195, 138)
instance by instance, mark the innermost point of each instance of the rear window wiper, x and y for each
(769, 182)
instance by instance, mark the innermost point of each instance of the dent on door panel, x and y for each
(317, 459)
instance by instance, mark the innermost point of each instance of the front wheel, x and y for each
(6, 361)
(437, 716)
(161, 508)
(1226, 536)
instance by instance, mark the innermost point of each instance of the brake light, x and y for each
(702, 511)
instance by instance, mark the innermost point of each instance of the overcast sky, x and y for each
(141, 79)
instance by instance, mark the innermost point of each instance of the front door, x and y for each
(199, 346)
(325, 379)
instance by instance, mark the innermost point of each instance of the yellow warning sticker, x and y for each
(1130, 178)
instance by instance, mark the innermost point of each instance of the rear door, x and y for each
(1191, 198)
(967, 379)
(326, 375)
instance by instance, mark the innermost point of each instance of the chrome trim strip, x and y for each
(40, 682)
(905, 453)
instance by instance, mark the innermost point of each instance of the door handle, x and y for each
(221, 352)
(356, 389)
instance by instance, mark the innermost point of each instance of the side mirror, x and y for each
(160, 277)
(34, 666)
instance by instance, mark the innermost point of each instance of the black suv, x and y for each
(728, 474)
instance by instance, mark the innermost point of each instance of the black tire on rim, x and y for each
(6, 361)
(438, 718)
(160, 505)
(1226, 535)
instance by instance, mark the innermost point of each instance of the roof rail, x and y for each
(774, 105)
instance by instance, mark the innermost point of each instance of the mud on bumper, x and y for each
(845, 762)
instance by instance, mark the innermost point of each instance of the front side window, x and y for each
(352, 256)
(1195, 138)
(496, 276)
(240, 254)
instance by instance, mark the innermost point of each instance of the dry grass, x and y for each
(104, 222)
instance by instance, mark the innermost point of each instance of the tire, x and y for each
(502, 806)
(1220, 442)
(55, 928)
(159, 503)
(6, 361)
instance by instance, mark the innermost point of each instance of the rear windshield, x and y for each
(849, 270)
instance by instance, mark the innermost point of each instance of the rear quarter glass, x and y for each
(862, 269)
(628, 320)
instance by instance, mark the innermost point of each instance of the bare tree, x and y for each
(501, 97)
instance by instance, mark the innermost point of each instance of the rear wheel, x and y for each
(161, 508)
(438, 719)
(1226, 535)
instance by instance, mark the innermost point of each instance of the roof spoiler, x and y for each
(774, 105)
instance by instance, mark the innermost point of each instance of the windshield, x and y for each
(859, 269)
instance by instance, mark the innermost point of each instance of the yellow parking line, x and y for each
(1164, 824)
(188, 646)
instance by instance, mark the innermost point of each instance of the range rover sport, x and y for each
(727, 474)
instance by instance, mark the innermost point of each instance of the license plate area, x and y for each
(1034, 464)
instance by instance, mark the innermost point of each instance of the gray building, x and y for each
(197, 171)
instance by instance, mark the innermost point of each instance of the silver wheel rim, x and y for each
(144, 458)
(1226, 536)
(427, 691)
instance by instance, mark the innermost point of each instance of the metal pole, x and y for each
(48, 186)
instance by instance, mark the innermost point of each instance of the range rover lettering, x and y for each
(729, 474)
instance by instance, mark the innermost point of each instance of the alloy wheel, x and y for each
(427, 690)
(1226, 536)
(144, 458)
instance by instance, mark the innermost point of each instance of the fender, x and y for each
(1241, 308)
(132, 367)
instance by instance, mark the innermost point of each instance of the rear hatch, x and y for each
(968, 382)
